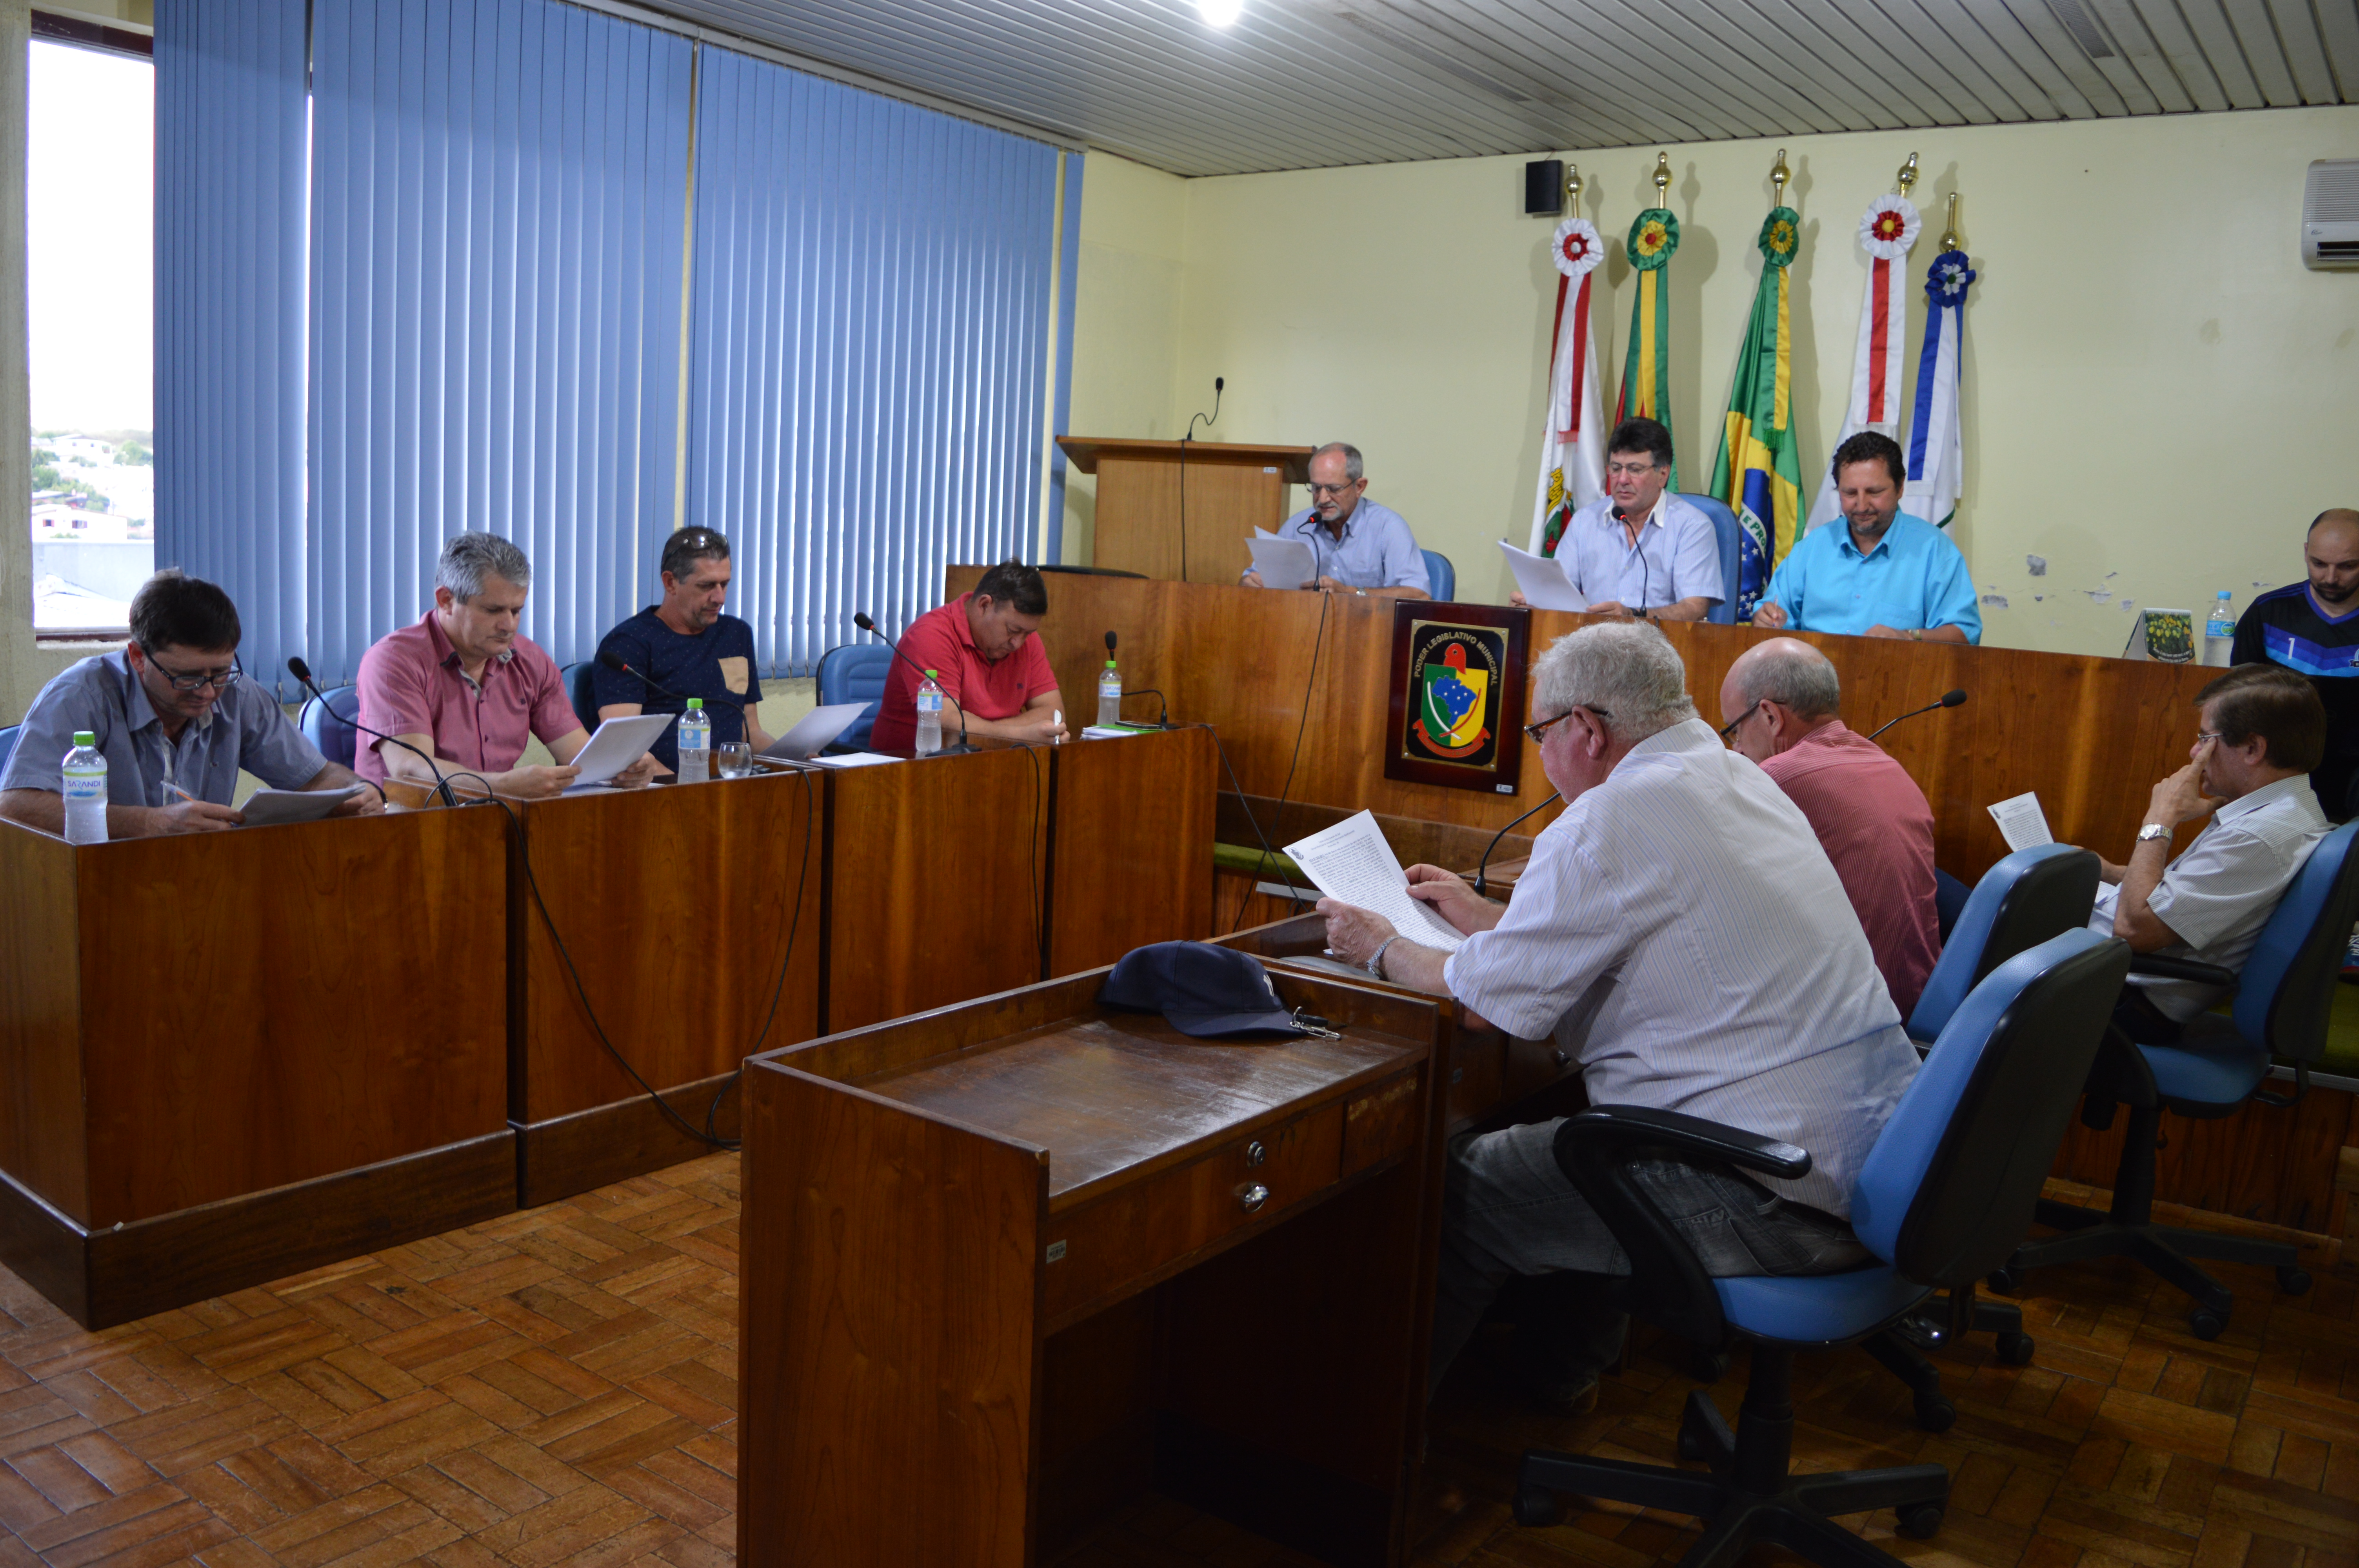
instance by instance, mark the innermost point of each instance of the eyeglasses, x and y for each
(1631, 471)
(2204, 735)
(1729, 728)
(1538, 733)
(197, 680)
(1318, 490)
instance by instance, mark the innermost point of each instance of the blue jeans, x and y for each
(1507, 1209)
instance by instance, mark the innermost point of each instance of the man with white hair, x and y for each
(1359, 546)
(1680, 929)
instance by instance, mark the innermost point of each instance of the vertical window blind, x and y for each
(499, 202)
(229, 310)
(868, 347)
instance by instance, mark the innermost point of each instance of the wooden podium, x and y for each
(1231, 488)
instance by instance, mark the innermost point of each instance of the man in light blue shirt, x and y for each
(1639, 549)
(1884, 573)
(1358, 547)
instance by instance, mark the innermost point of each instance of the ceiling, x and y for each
(1319, 83)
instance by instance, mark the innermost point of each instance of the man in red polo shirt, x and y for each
(985, 658)
(1783, 705)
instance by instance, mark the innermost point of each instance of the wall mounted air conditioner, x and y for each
(2330, 215)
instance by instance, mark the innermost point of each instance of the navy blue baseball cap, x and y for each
(1201, 990)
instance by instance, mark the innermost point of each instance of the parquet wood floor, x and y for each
(559, 1386)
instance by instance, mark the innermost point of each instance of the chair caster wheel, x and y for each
(2014, 1350)
(1534, 1508)
(2004, 1281)
(1935, 1412)
(1921, 1522)
(2205, 1323)
(1709, 1365)
(2292, 1280)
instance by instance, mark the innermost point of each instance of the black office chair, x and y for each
(1943, 1196)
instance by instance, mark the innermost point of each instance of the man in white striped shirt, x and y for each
(1681, 927)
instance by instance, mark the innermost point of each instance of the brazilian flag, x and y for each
(1757, 471)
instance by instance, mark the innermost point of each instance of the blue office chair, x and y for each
(2283, 999)
(2021, 901)
(329, 725)
(854, 673)
(1441, 577)
(1948, 1188)
(581, 688)
(1723, 525)
(8, 743)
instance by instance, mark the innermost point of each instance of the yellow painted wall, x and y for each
(2158, 396)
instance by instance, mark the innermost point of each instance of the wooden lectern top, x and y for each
(1085, 451)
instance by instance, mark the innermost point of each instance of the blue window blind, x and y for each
(229, 310)
(868, 347)
(499, 193)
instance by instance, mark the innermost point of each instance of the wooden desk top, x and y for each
(1085, 451)
(1118, 1097)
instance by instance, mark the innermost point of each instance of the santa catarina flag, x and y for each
(1757, 471)
(1573, 445)
(1646, 368)
(1886, 232)
(1936, 447)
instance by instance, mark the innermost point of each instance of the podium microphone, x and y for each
(1483, 868)
(616, 662)
(302, 673)
(860, 619)
(1948, 699)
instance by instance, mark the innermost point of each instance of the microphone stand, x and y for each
(1483, 868)
(869, 626)
(302, 674)
(1948, 699)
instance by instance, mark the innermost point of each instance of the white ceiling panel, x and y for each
(1320, 83)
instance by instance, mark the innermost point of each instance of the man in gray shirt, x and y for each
(174, 718)
(1357, 545)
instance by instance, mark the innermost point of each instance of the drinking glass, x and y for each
(735, 758)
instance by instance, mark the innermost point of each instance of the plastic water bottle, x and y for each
(1110, 695)
(930, 715)
(695, 744)
(85, 782)
(2220, 631)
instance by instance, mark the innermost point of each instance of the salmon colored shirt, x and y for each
(941, 640)
(1876, 826)
(411, 683)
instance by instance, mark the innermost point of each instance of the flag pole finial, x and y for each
(1572, 188)
(1779, 175)
(1907, 177)
(1662, 178)
(1950, 235)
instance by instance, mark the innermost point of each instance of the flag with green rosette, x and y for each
(1757, 471)
(1646, 368)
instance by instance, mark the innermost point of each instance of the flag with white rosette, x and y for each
(1572, 447)
(1936, 445)
(1886, 232)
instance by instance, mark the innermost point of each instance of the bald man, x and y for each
(2312, 629)
(1782, 704)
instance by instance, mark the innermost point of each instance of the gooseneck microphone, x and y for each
(302, 673)
(1210, 419)
(616, 662)
(861, 620)
(1483, 868)
(1948, 699)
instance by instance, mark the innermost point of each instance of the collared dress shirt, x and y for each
(1682, 922)
(411, 683)
(1914, 579)
(2220, 893)
(1874, 825)
(1376, 549)
(246, 728)
(1677, 556)
(941, 640)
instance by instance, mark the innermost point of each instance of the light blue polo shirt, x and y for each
(1376, 549)
(1914, 579)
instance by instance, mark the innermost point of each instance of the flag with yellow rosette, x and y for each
(1757, 471)
(1646, 369)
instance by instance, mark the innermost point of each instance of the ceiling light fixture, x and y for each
(1219, 13)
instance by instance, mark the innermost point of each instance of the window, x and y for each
(90, 225)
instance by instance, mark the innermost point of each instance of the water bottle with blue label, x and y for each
(85, 791)
(930, 715)
(2220, 631)
(695, 744)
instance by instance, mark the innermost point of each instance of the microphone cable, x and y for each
(1210, 419)
(1278, 818)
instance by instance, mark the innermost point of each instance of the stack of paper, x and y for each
(1542, 580)
(2021, 822)
(1351, 862)
(1283, 563)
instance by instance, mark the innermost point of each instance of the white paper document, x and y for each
(853, 760)
(1283, 563)
(1114, 731)
(815, 731)
(618, 743)
(1542, 580)
(2021, 822)
(1351, 861)
(270, 808)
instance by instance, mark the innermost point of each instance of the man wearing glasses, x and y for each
(175, 722)
(1360, 547)
(1681, 929)
(1639, 549)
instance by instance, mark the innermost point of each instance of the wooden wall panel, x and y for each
(43, 1138)
(676, 905)
(1131, 855)
(307, 1000)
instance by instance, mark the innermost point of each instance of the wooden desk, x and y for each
(1001, 1272)
(1231, 490)
(676, 905)
(229, 1057)
(1130, 848)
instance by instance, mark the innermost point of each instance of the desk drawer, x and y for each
(1100, 1249)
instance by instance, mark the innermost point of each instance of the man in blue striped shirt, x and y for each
(1357, 545)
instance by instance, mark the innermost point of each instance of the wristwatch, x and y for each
(1375, 964)
(2154, 832)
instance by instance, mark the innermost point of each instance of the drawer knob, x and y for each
(1255, 1154)
(1253, 1198)
(1560, 1059)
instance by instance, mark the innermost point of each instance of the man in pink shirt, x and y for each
(986, 659)
(465, 687)
(1783, 705)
